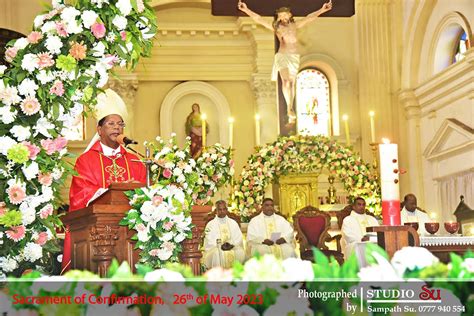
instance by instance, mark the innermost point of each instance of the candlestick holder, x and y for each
(375, 149)
(331, 190)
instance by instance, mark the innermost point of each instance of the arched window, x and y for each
(462, 45)
(313, 106)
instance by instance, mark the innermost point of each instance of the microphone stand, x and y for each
(147, 161)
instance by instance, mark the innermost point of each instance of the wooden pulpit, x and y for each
(393, 238)
(97, 237)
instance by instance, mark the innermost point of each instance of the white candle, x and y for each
(345, 118)
(257, 129)
(203, 124)
(389, 180)
(372, 127)
(231, 131)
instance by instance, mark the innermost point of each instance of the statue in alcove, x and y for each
(194, 130)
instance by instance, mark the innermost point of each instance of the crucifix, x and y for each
(286, 61)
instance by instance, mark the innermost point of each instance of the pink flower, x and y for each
(30, 105)
(157, 200)
(46, 211)
(42, 238)
(45, 179)
(48, 145)
(3, 208)
(98, 29)
(33, 149)
(60, 143)
(154, 252)
(209, 193)
(51, 14)
(140, 227)
(140, 6)
(169, 246)
(10, 53)
(110, 59)
(61, 29)
(45, 60)
(78, 51)
(167, 173)
(16, 233)
(168, 225)
(34, 37)
(57, 88)
(123, 35)
(16, 194)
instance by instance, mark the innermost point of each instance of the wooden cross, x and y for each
(340, 8)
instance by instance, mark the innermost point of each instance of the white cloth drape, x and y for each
(452, 188)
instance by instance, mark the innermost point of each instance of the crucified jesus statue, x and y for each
(287, 59)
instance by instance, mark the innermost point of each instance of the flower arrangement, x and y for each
(162, 219)
(300, 154)
(199, 178)
(215, 168)
(274, 286)
(161, 214)
(53, 75)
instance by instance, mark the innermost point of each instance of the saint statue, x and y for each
(287, 59)
(194, 130)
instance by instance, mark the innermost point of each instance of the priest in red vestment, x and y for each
(104, 162)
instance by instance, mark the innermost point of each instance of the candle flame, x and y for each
(372, 113)
(433, 215)
(385, 140)
(204, 116)
(257, 117)
(231, 120)
(345, 117)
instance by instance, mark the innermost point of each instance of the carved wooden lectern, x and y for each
(97, 237)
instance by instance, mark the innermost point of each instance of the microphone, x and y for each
(124, 140)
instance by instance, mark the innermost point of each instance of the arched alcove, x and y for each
(177, 105)
(444, 40)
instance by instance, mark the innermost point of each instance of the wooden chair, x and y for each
(312, 227)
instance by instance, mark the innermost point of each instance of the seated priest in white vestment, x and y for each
(269, 233)
(410, 214)
(354, 227)
(223, 240)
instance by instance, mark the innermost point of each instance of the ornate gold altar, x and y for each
(295, 191)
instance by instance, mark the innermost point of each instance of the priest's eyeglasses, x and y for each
(114, 124)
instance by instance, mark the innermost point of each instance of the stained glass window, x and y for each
(313, 107)
(462, 45)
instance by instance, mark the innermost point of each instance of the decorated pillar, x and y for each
(377, 45)
(126, 87)
(413, 150)
(265, 95)
(263, 44)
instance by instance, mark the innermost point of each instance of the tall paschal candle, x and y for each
(389, 180)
